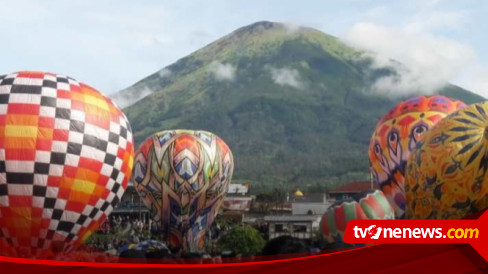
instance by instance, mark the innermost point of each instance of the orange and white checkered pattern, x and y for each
(66, 155)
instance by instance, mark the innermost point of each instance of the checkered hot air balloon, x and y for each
(66, 155)
(396, 135)
(370, 205)
(182, 176)
(447, 174)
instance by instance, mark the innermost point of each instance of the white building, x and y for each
(311, 204)
(299, 226)
(237, 199)
(238, 189)
(237, 203)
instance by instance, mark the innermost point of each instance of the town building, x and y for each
(350, 189)
(310, 204)
(237, 198)
(236, 203)
(303, 222)
(299, 226)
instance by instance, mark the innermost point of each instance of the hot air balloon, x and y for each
(396, 135)
(66, 155)
(370, 205)
(182, 176)
(447, 173)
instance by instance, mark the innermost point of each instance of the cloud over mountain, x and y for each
(222, 71)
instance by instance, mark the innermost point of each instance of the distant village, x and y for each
(297, 214)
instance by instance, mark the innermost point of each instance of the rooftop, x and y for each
(310, 198)
(238, 189)
(354, 187)
(292, 218)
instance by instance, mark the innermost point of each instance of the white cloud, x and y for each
(291, 27)
(165, 72)
(118, 43)
(286, 77)
(428, 61)
(222, 71)
(130, 96)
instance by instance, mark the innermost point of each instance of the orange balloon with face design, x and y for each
(396, 135)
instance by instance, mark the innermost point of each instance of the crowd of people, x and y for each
(283, 246)
(120, 240)
(119, 232)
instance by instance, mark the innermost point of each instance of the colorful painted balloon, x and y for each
(447, 173)
(182, 176)
(395, 137)
(66, 155)
(371, 205)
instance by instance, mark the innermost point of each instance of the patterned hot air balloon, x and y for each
(182, 176)
(396, 135)
(66, 155)
(447, 173)
(370, 205)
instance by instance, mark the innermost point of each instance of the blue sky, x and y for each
(112, 44)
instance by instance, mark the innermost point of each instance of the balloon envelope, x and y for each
(370, 205)
(395, 136)
(447, 173)
(182, 176)
(149, 246)
(66, 154)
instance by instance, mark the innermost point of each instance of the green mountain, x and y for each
(294, 105)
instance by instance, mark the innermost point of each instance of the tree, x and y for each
(242, 240)
(264, 202)
(279, 197)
